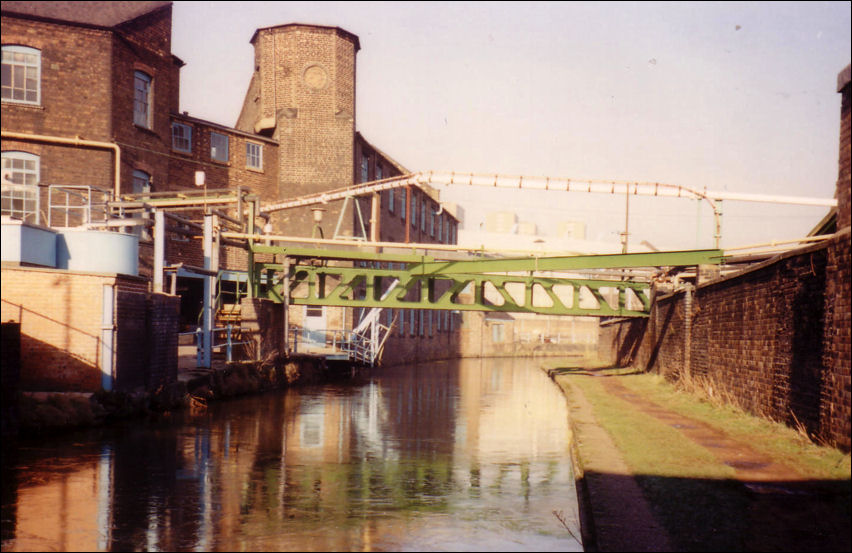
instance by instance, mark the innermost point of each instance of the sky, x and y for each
(725, 96)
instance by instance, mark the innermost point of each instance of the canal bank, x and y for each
(47, 412)
(662, 469)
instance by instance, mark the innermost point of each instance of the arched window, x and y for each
(141, 182)
(21, 75)
(142, 95)
(141, 185)
(21, 175)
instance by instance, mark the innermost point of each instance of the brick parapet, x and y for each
(844, 188)
(774, 339)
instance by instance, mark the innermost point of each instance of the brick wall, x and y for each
(72, 59)
(61, 312)
(844, 189)
(146, 340)
(87, 90)
(774, 339)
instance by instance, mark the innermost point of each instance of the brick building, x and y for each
(90, 98)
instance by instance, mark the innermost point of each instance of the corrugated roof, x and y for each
(98, 14)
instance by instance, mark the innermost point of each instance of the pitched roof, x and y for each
(98, 14)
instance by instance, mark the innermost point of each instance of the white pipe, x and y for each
(772, 199)
(780, 242)
(542, 183)
(75, 142)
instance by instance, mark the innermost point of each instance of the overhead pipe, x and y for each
(76, 141)
(548, 183)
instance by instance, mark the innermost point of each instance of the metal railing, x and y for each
(74, 205)
(228, 344)
(356, 346)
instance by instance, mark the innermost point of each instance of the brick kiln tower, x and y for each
(302, 94)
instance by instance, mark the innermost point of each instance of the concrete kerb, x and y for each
(614, 515)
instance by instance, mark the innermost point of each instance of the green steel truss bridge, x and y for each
(367, 275)
(558, 285)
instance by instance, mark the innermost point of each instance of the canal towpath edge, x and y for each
(614, 514)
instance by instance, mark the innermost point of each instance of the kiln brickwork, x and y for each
(305, 99)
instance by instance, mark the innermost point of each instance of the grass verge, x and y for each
(694, 494)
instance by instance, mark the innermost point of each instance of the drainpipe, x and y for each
(77, 141)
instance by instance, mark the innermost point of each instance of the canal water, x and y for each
(455, 456)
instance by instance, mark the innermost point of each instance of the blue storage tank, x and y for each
(28, 244)
(97, 251)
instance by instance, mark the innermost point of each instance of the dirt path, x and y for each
(780, 508)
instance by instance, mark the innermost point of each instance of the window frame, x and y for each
(187, 138)
(213, 149)
(12, 64)
(365, 167)
(250, 156)
(22, 193)
(403, 206)
(141, 76)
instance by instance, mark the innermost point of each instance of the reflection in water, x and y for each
(468, 455)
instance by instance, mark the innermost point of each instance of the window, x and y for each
(21, 75)
(365, 168)
(218, 147)
(391, 194)
(431, 328)
(423, 215)
(254, 156)
(401, 313)
(413, 210)
(402, 205)
(497, 333)
(142, 99)
(141, 185)
(20, 196)
(181, 137)
(432, 222)
(411, 322)
(378, 171)
(141, 182)
(440, 227)
(421, 322)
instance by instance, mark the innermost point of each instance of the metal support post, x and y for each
(228, 347)
(211, 262)
(159, 249)
(286, 306)
(250, 291)
(375, 211)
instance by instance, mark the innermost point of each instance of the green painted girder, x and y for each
(365, 287)
(572, 263)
